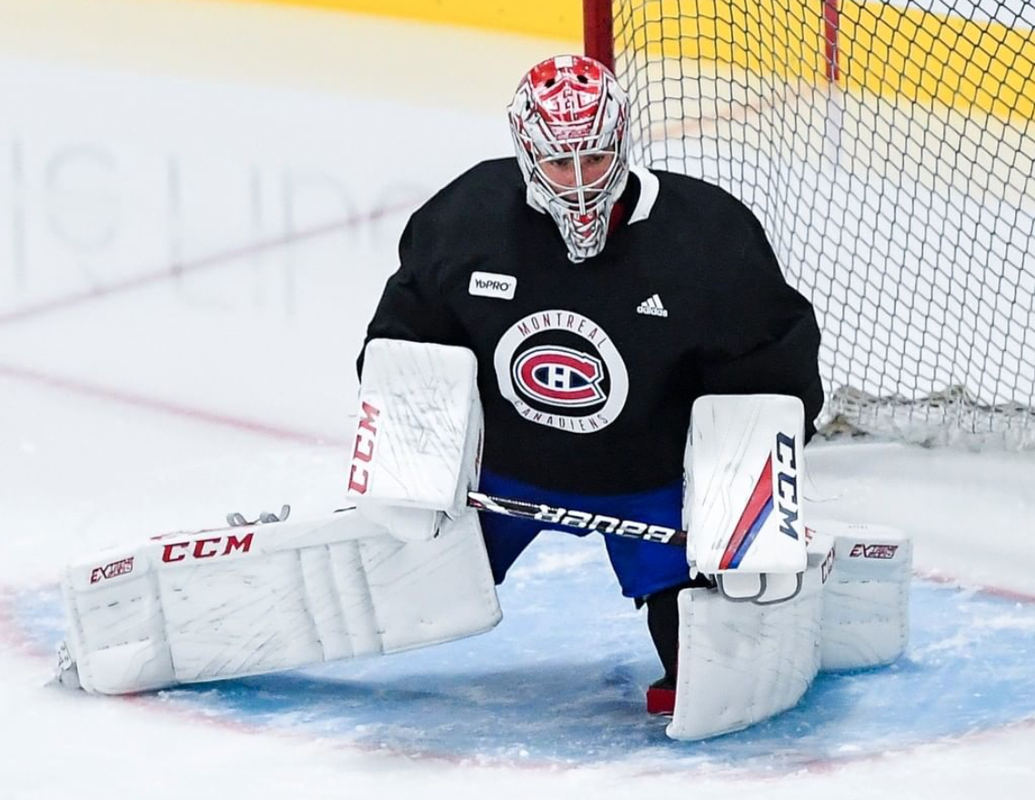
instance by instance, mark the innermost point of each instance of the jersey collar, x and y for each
(648, 194)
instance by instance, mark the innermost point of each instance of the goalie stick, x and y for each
(628, 528)
(573, 518)
(567, 517)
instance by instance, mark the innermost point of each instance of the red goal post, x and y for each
(889, 150)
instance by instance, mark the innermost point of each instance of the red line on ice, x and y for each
(995, 591)
(12, 632)
(174, 271)
(76, 386)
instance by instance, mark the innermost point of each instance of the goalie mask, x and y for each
(568, 119)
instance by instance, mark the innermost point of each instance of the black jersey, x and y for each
(587, 372)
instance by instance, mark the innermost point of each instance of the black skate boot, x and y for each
(663, 622)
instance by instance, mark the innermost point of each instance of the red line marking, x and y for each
(174, 271)
(995, 591)
(76, 386)
(12, 633)
(759, 496)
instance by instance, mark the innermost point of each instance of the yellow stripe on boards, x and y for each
(552, 19)
(907, 54)
(910, 54)
(926, 57)
(766, 37)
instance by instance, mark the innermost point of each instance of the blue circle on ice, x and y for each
(561, 682)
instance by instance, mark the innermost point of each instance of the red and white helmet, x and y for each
(567, 107)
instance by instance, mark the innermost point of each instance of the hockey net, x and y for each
(889, 152)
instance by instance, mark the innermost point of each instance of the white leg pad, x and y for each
(866, 600)
(204, 606)
(740, 662)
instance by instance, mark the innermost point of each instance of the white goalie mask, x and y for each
(568, 119)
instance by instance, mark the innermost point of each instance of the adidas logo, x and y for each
(652, 306)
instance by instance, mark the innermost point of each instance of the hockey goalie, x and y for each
(766, 603)
(614, 347)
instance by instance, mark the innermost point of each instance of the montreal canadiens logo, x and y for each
(560, 376)
(561, 369)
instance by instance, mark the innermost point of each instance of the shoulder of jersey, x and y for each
(473, 216)
(694, 190)
(490, 188)
(690, 207)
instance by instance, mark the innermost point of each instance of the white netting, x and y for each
(890, 153)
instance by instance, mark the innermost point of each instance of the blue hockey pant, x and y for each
(641, 567)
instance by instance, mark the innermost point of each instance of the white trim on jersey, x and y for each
(648, 194)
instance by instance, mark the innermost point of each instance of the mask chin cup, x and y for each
(583, 240)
